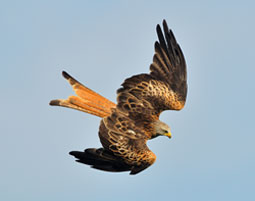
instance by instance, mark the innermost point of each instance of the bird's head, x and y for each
(161, 128)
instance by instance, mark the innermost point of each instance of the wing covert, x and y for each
(165, 88)
(125, 140)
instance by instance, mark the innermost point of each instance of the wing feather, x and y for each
(140, 101)
(119, 135)
(165, 88)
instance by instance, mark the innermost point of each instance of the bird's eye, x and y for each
(166, 131)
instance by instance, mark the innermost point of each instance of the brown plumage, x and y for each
(126, 127)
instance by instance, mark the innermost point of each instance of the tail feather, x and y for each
(79, 104)
(86, 100)
(100, 159)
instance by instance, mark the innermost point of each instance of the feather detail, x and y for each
(86, 100)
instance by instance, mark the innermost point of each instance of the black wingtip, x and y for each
(54, 103)
(66, 75)
(77, 154)
(156, 45)
(158, 28)
(168, 32)
(164, 23)
(73, 153)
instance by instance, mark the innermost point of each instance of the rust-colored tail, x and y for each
(86, 100)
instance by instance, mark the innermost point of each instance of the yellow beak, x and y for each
(168, 135)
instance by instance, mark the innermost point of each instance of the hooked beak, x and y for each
(169, 135)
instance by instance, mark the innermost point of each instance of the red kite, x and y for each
(126, 126)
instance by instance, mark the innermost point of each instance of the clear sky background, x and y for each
(211, 155)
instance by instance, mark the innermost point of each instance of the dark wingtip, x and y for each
(169, 31)
(54, 103)
(158, 25)
(158, 28)
(66, 75)
(133, 172)
(77, 154)
(156, 45)
(164, 23)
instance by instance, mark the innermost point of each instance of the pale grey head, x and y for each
(161, 128)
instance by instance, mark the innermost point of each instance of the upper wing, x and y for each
(165, 88)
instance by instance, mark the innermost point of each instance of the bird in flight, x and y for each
(126, 126)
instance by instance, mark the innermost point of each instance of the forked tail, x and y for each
(86, 100)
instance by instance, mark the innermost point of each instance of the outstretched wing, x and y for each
(165, 88)
(140, 101)
(119, 135)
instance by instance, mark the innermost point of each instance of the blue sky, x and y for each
(211, 155)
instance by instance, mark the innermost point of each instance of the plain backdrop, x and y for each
(211, 155)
